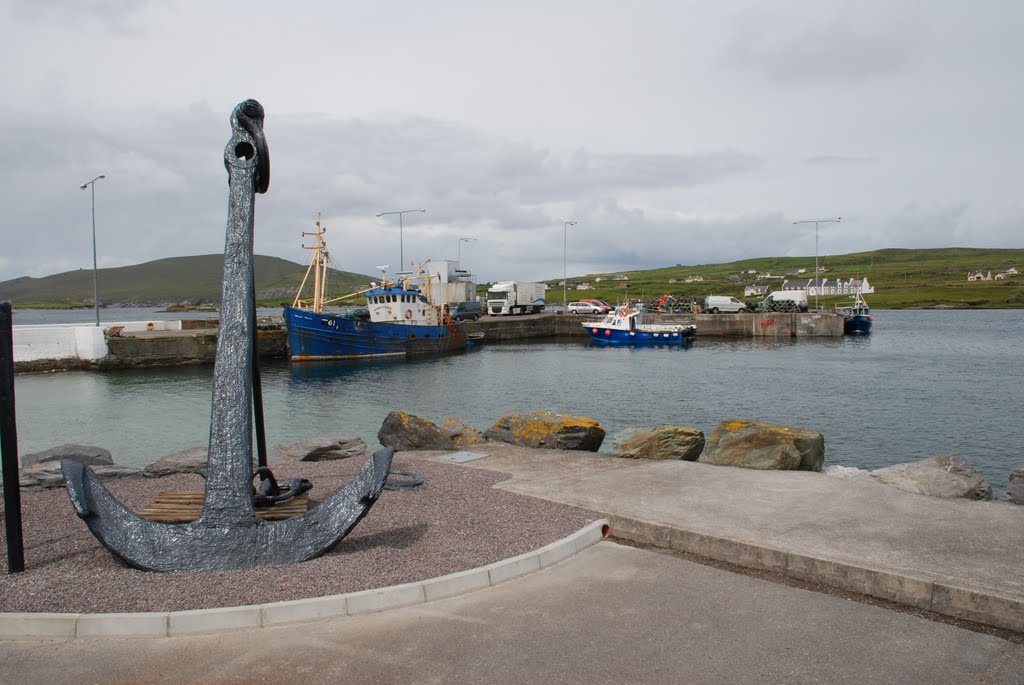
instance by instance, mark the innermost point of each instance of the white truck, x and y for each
(514, 297)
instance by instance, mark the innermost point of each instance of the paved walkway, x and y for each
(615, 614)
(611, 614)
(956, 557)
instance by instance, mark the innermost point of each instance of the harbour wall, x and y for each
(769, 325)
(171, 343)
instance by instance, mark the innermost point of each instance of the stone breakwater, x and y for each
(735, 442)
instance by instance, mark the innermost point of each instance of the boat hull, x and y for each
(610, 336)
(857, 325)
(314, 336)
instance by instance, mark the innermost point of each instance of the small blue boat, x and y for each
(857, 317)
(399, 320)
(625, 326)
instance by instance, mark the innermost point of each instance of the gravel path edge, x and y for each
(202, 621)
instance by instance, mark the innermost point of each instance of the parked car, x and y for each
(470, 311)
(584, 308)
(723, 303)
(605, 307)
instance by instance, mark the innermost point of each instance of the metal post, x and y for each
(462, 240)
(565, 252)
(401, 249)
(817, 276)
(91, 185)
(9, 445)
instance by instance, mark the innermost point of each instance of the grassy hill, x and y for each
(902, 278)
(193, 280)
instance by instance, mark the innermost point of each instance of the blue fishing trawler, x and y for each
(625, 326)
(398, 320)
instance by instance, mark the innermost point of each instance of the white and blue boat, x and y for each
(625, 326)
(398, 321)
(857, 317)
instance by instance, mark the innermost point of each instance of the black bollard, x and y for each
(9, 445)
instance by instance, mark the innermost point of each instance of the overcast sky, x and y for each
(675, 132)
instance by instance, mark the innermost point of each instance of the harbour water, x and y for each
(923, 383)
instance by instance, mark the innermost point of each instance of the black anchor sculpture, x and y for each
(228, 534)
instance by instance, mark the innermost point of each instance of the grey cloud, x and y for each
(811, 50)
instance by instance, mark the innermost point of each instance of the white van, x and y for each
(723, 303)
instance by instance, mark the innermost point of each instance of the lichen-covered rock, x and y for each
(461, 433)
(185, 461)
(1015, 490)
(660, 442)
(942, 476)
(83, 454)
(407, 432)
(49, 475)
(548, 430)
(322, 448)
(764, 445)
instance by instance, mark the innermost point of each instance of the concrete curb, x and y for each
(179, 623)
(932, 594)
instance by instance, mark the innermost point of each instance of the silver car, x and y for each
(584, 308)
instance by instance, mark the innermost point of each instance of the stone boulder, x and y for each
(548, 430)
(461, 433)
(847, 473)
(49, 475)
(83, 454)
(407, 432)
(763, 445)
(660, 442)
(1015, 490)
(185, 461)
(323, 448)
(942, 476)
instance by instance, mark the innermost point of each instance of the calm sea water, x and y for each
(924, 383)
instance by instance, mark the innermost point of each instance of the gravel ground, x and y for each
(455, 521)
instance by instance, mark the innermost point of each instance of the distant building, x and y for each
(622, 277)
(735, 279)
(672, 280)
(831, 286)
(979, 276)
(1007, 273)
(583, 286)
(694, 279)
(756, 291)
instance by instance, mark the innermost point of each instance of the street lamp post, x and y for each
(565, 252)
(91, 185)
(462, 240)
(817, 275)
(401, 253)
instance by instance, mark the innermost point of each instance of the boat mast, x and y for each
(318, 265)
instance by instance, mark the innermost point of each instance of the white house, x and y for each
(755, 291)
(979, 276)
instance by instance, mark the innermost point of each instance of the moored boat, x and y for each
(626, 326)
(857, 317)
(399, 320)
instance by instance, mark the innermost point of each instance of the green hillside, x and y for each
(193, 280)
(902, 278)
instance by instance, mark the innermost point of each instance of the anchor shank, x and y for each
(229, 494)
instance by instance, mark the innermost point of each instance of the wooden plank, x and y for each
(181, 507)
